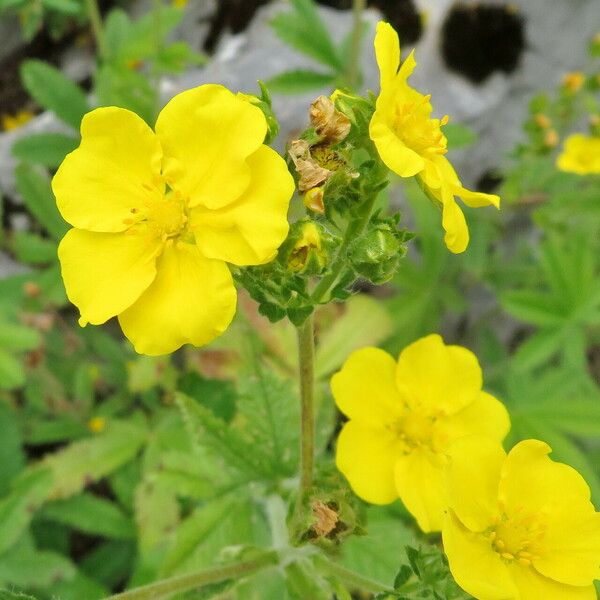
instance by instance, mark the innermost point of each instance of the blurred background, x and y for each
(101, 485)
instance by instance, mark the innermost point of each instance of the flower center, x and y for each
(419, 132)
(163, 214)
(417, 430)
(518, 536)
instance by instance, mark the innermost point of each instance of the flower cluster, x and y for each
(514, 527)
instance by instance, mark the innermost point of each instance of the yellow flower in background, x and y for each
(411, 143)
(574, 81)
(157, 216)
(403, 417)
(519, 527)
(581, 155)
(10, 122)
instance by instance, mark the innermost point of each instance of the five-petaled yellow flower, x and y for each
(404, 416)
(581, 155)
(519, 527)
(157, 216)
(411, 143)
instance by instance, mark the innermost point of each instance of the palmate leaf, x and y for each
(303, 30)
(300, 80)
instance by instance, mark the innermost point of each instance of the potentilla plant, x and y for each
(168, 223)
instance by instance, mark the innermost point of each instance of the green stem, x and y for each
(183, 583)
(353, 75)
(306, 356)
(354, 229)
(96, 23)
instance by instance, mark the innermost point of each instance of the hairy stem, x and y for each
(350, 578)
(353, 75)
(354, 229)
(182, 583)
(306, 354)
(93, 13)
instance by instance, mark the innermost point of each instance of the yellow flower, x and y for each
(581, 155)
(97, 424)
(10, 122)
(519, 527)
(404, 416)
(411, 143)
(573, 81)
(157, 216)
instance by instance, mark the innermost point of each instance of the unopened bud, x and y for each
(573, 81)
(551, 138)
(329, 123)
(313, 200)
(542, 121)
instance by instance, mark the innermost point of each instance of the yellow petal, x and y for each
(455, 225)
(365, 388)
(105, 273)
(532, 482)
(438, 377)
(420, 484)
(472, 479)
(115, 169)
(477, 199)
(366, 456)
(571, 547)
(393, 152)
(191, 301)
(533, 586)
(581, 155)
(474, 565)
(387, 52)
(485, 416)
(207, 133)
(250, 230)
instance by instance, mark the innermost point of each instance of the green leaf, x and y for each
(68, 7)
(365, 323)
(39, 199)
(110, 563)
(12, 372)
(300, 80)
(268, 409)
(86, 461)
(90, 514)
(16, 510)
(8, 595)
(47, 149)
(304, 31)
(18, 338)
(32, 249)
(532, 307)
(539, 347)
(12, 457)
(217, 394)
(459, 135)
(53, 91)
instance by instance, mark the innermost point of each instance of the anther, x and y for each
(507, 556)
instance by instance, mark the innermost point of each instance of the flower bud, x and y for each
(573, 82)
(551, 138)
(377, 254)
(542, 121)
(307, 244)
(313, 200)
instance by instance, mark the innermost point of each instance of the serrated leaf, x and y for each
(304, 31)
(268, 408)
(53, 91)
(47, 149)
(90, 514)
(39, 199)
(86, 461)
(300, 80)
